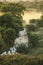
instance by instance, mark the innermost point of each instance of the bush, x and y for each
(22, 48)
(33, 38)
(40, 22)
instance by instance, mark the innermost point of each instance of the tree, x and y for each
(10, 24)
(9, 37)
(9, 28)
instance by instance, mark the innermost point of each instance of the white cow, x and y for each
(23, 32)
(4, 53)
(12, 50)
(9, 53)
(21, 40)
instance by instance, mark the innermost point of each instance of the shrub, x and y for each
(22, 48)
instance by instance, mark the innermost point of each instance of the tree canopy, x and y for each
(10, 24)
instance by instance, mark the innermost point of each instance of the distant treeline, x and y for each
(27, 5)
(34, 5)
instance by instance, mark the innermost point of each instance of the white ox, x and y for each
(21, 40)
(22, 33)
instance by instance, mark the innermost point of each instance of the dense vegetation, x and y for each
(10, 24)
(20, 59)
(35, 38)
(36, 5)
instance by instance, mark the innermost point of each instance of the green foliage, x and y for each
(15, 8)
(9, 28)
(6, 20)
(34, 31)
(28, 5)
(31, 33)
(10, 23)
(2, 45)
(20, 59)
(9, 36)
(22, 48)
(40, 23)
(33, 39)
